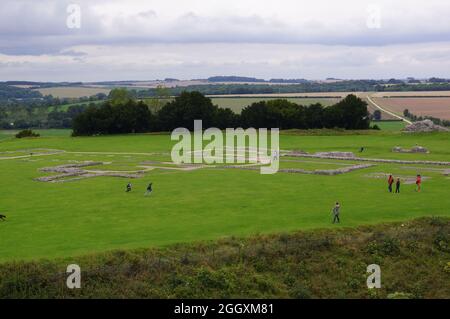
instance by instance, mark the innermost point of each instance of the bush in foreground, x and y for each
(27, 133)
(313, 264)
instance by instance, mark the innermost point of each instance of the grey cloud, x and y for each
(31, 27)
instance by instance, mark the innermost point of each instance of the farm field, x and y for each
(81, 215)
(438, 107)
(73, 92)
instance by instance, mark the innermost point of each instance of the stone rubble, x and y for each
(425, 126)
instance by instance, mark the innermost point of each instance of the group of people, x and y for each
(391, 183)
(398, 183)
(337, 207)
(147, 192)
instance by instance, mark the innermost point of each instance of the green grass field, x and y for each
(50, 220)
(390, 125)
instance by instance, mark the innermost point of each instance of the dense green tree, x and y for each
(120, 96)
(130, 117)
(350, 113)
(186, 108)
(133, 117)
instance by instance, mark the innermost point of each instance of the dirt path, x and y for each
(386, 111)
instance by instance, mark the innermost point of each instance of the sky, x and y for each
(99, 40)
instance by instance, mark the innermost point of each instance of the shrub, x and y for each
(27, 133)
(400, 295)
(442, 242)
(299, 291)
(447, 268)
(389, 246)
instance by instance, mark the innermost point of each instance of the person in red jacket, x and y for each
(390, 183)
(418, 183)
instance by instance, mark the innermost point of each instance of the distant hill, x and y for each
(234, 79)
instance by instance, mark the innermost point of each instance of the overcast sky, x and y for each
(185, 39)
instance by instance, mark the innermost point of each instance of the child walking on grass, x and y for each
(336, 213)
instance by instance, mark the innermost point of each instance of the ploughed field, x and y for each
(65, 196)
(438, 107)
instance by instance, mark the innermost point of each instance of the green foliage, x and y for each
(447, 267)
(26, 133)
(442, 242)
(216, 269)
(186, 108)
(400, 295)
(351, 113)
(385, 247)
(111, 118)
(8, 92)
(299, 291)
(120, 96)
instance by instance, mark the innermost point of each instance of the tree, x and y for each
(130, 117)
(119, 96)
(350, 113)
(377, 115)
(162, 97)
(186, 108)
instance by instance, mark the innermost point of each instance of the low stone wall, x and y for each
(375, 160)
(336, 154)
(329, 172)
(76, 171)
(415, 149)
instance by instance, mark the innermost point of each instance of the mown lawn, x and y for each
(48, 220)
(390, 125)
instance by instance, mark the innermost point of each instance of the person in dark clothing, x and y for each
(129, 187)
(397, 186)
(336, 213)
(149, 189)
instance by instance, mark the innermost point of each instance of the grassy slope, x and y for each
(58, 220)
(414, 258)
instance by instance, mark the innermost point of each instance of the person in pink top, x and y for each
(418, 183)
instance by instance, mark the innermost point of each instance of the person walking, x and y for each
(336, 213)
(390, 182)
(129, 187)
(418, 183)
(149, 189)
(397, 186)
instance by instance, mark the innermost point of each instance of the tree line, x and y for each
(123, 114)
